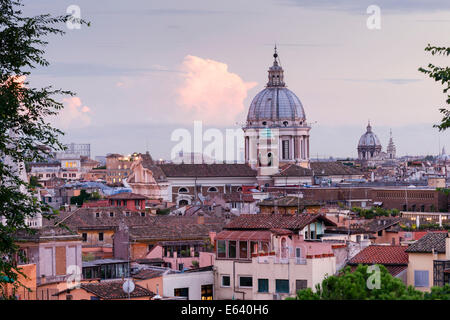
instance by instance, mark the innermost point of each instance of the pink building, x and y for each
(131, 201)
(272, 256)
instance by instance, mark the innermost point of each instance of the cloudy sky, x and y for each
(145, 68)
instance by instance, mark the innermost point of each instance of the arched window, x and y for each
(183, 190)
(239, 189)
(212, 189)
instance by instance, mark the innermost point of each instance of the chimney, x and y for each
(447, 247)
(200, 219)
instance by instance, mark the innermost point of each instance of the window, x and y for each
(285, 146)
(181, 292)
(182, 190)
(142, 214)
(231, 249)
(97, 214)
(245, 282)
(243, 249)
(212, 189)
(301, 284)
(421, 278)
(282, 286)
(207, 292)
(226, 281)
(221, 249)
(69, 297)
(263, 285)
(84, 235)
(100, 236)
(111, 214)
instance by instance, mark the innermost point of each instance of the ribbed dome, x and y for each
(369, 139)
(276, 103)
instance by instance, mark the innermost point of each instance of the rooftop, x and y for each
(207, 170)
(276, 221)
(430, 241)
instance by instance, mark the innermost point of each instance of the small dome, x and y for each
(369, 139)
(276, 103)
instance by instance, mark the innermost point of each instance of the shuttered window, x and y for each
(282, 286)
(421, 278)
(263, 285)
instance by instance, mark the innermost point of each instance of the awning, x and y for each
(244, 235)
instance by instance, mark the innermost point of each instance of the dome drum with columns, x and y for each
(276, 130)
(369, 146)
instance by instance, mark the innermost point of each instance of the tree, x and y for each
(442, 75)
(354, 286)
(80, 199)
(24, 127)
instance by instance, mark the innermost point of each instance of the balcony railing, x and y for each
(281, 260)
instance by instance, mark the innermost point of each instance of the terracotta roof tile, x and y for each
(381, 254)
(277, 221)
(432, 240)
(114, 290)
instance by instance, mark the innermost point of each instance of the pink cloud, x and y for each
(210, 92)
(74, 114)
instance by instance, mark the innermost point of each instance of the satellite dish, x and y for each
(128, 286)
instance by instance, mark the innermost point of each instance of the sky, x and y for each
(145, 68)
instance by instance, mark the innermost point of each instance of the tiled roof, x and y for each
(86, 218)
(292, 170)
(277, 221)
(289, 201)
(381, 254)
(378, 224)
(47, 232)
(148, 274)
(432, 240)
(207, 170)
(177, 228)
(238, 197)
(333, 169)
(114, 290)
(243, 235)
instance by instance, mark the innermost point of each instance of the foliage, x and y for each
(439, 293)
(195, 264)
(445, 191)
(162, 211)
(34, 182)
(442, 75)
(83, 197)
(375, 212)
(23, 122)
(354, 286)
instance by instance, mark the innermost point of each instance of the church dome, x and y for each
(276, 102)
(369, 139)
